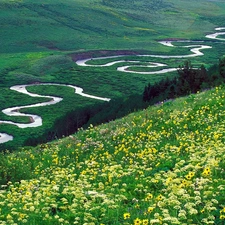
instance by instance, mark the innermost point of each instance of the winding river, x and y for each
(36, 120)
(195, 49)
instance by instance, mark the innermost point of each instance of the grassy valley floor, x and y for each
(40, 42)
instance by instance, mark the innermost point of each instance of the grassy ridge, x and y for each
(161, 165)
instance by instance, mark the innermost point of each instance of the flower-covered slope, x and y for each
(162, 165)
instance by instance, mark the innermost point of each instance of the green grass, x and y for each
(160, 165)
(39, 39)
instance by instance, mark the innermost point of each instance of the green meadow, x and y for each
(40, 42)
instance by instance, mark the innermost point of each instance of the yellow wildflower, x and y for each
(126, 216)
(137, 221)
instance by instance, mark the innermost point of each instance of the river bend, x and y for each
(36, 120)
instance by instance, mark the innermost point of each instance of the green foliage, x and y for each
(189, 80)
(222, 67)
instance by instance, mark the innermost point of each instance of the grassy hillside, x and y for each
(163, 165)
(29, 25)
(41, 39)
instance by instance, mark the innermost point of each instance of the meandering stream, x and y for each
(36, 120)
(195, 49)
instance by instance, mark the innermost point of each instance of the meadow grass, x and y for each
(162, 165)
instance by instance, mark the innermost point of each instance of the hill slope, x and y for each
(161, 165)
(29, 25)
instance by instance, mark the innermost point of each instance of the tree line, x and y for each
(189, 80)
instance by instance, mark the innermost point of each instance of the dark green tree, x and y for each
(222, 67)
